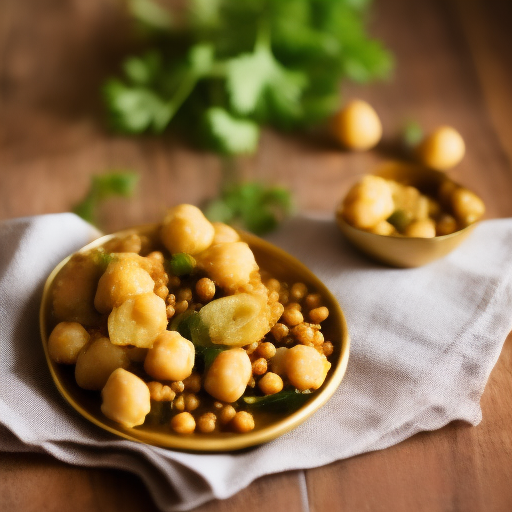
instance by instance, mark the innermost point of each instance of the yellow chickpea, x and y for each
(305, 367)
(227, 413)
(186, 229)
(224, 234)
(270, 383)
(97, 361)
(313, 300)
(191, 402)
(266, 350)
(318, 315)
(126, 398)
(443, 149)
(66, 341)
(183, 423)
(298, 291)
(228, 376)
(242, 422)
(467, 206)
(425, 228)
(171, 357)
(292, 317)
(367, 203)
(206, 422)
(278, 362)
(357, 126)
(138, 321)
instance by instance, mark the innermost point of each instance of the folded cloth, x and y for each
(423, 344)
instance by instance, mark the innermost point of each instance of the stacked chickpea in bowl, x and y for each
(181, 331)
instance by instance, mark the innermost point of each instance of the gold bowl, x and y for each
(402, 251)
(269, 257)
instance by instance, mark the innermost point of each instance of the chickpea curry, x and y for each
(387, 207)
(184, 331)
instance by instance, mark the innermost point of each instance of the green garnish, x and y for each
(182, 264)
(230, 67)
(285, 401)
(103, 186)
(400, 219)
(102, 259)
(252, 206)
(412, 134)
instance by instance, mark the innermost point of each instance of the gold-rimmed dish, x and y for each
(269, 257)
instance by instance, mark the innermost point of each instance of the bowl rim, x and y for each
(204, 443)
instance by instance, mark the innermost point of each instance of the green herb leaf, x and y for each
(285, 401)
(103, 186)
(150, 14)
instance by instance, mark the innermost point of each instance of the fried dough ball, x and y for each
(171, 357)
(123, 279)
(66, 341)
(368, 202)
(74, 289)
(97, 361)
(138, 321)
(224, 234)
(229, 265)
(228, 376)
(443, 149)
(126, 398)
(305, 367)
(186, 229)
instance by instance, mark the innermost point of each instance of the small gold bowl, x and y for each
(281, 265)
(402, 251)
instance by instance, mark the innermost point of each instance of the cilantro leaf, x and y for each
(150, 14)
(229, 134)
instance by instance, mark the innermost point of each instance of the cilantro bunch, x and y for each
(234, 65)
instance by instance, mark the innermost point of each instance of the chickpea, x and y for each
(305, 367)
(126, 398)
(298, 291)
(259, 367)
(443, 149)
(160, 393)
(446, 225)
(242, 422)
(226, 414)
(270, 383)
(229, 265)
(279, 331)
(229, 374)
(224, 234)
(171, 357)
(357, 126)
(266, 350)
(122, 280)
(184, 294)
(186, 229)
(191, 402)
(97, 361)
(250, 349)
(179, 403)
(278, 362)
(293, 305)
(292, 317)
(467, 206)
(205, 289)
(318, 315)
(273, 285)
(313, 300)
(183, 423)
(193, 383)
(138, 321)
(180, 307)
(66, 341)
(425, 228)
(206, 422)
(328, 348)
(367, 203)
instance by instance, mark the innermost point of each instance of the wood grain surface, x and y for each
(454, 66)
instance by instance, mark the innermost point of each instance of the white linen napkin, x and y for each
(423, 344)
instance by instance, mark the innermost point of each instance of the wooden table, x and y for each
(454, 66)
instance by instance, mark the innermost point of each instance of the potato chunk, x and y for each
(138, 321)
(125, 399)
(235, 320)
(171, 357)
(186, 229)
(123, 279)
(229, 265)
(74, 289)
(305, 367)
(97, 361)
(228, 375)
(66, 341)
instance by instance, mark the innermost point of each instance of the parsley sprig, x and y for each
(234, 66)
